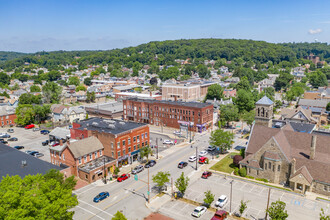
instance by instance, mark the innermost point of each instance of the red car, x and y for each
(220, 215)
(29, 126)
(206, 174)
(123, 177)
(203, 160)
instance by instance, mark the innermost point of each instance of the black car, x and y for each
(150, 163)
(4, 142)
(44, 132)
(44, 143)
(13, 139)
(19, 147)
(182, 164)
(33, 153)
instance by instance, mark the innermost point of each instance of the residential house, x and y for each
(65, 113)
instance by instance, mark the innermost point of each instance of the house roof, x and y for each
(295, 145)
(11, 163)
(313, 103)
(302, 127)
(264, 101)
(85, 146)
(303, 171)
(271, 155)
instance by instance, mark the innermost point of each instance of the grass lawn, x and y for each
(225, 165)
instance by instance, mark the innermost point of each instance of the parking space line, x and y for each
(243, 186)
(96, 208)
(281, 196)
(90, 212)
(252, 188)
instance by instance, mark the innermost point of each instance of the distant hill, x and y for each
(5, 56)
(165, 52)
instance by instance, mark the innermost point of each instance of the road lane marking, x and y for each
(97, 208)
(90, 212)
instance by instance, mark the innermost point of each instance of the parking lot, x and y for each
(298, 207)
(161, 138)
(31, 140)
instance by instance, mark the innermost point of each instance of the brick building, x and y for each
(7, 115)
(197, 116)
(85, 158)
(121, 140)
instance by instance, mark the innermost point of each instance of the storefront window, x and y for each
(142, 144)
(146, 143)
(134, 147)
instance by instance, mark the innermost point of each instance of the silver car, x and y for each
(137, 169)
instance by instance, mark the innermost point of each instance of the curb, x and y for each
(322, 200)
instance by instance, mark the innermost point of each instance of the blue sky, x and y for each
(35, 25)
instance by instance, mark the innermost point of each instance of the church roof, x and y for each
(264, 101)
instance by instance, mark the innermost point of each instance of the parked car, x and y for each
(19, 147)
(206, 174)
(221, 202)
(4, 135)
(123, 177)
(199, 211)
(220, 215)
(4, 142)
(10, 130)
(101, 196)
(12, 139)
(150, 163)
(38, 155)
(28, 151)
(168, 142)
(137, 169)
(202, 160)
(182, 164)
(44, 143)
(202, 153)
(44, 132)
(33, 153)
(29, 126)
(36, 129)
(192, 158)
(177, 132)
(211, 148)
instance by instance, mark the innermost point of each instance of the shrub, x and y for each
(237, 159)
(242, 172)
(236, 171)
(262, 179)
(116, 171)
(250, 177)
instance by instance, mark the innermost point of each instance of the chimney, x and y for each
(313, 148)
(293, 166)
(61, 142)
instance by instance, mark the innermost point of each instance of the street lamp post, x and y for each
(157, 148)
(196, 158)
(231, 193)
(105, 174)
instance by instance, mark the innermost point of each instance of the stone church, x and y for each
(284, 156)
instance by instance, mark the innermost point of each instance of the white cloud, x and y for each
(315, 31)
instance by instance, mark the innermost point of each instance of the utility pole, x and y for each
(148, 187)
(196, 158)
(105, 174)
(157, 147)
(231, 192)
(267, 204)
(172, 187)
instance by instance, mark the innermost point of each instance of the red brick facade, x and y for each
(7, 119)
(171, 114)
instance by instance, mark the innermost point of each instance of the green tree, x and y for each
(73, 80)
(36, 197)
(145, 152)
(244, 101)
(182, 183)
(277, 211)
(269, 92)
(328, 106)
(90, 97)
(161, 178)
(323, 216)
(203, 72)
(25, 114)
(244, 84)
(52, 92)
(35, 88)
(228, 113)
(4, 78)
(318, 79)
(119, 216)
(214, 91)
(53, 75)
(242, 207)
(209, 198)
(15, 87)
(88, 81)
(81, 87)
(41, 112)
(5, 94)
(28, 98)
(248, 117)
(222, 139)
(283, 81)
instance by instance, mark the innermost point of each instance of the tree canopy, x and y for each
(52, 92)
(222, 139)
(214, 91)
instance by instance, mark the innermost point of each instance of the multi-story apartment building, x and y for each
(194, 116)
(121, 140)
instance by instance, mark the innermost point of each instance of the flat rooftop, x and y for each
(109, 106)
(97, 163)
(176, 103)
(113, 126)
